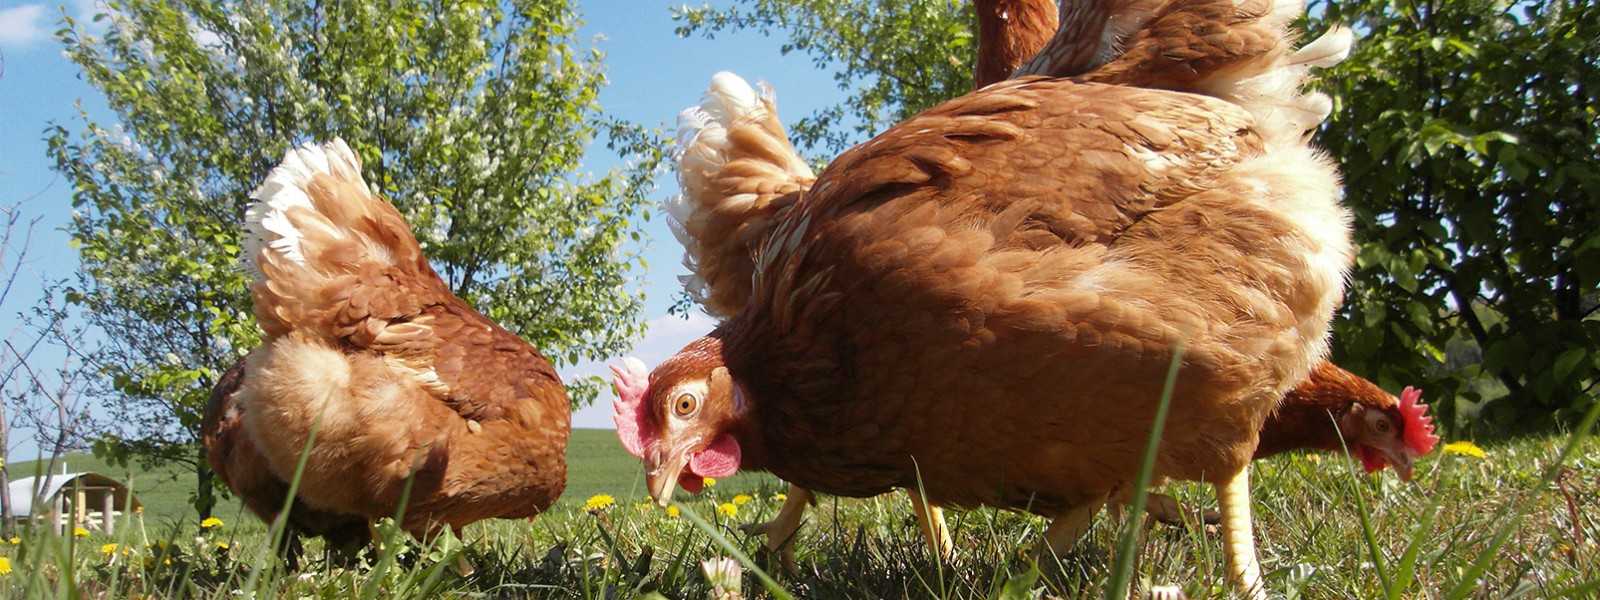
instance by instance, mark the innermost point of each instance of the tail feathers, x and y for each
(326, 252)
(1235, 50)
(737, 169)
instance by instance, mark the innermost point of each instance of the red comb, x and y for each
(1419, 435)
(631, 382)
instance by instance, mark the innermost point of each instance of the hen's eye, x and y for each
(1383, 426)
(685, 405)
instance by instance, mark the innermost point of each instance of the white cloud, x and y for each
(667, 335)
(22, 26)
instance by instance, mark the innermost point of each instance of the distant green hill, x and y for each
(596, 464)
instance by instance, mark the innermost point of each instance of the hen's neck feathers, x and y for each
(1309, 417)
(1009, 33)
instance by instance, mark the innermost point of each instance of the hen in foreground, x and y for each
(985, 298)
(400, 382)
(239, 463)
(738, 171)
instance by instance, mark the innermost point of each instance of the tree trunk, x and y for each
(205, 495)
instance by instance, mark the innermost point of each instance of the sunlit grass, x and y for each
(1431, 535)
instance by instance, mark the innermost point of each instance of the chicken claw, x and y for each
(780, 530)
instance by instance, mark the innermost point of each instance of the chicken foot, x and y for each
(780, 530)
(1065, 530)
(1233, 498)
(782, 527)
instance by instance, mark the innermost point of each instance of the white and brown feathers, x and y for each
(399, 378)
(738, 171)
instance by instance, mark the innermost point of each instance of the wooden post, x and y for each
(55, 512)
(80, 510)
(109, 508)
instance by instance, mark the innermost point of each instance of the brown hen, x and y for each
(734, 159)
(984, 300)
(400, 380)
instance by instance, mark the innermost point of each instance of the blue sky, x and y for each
(653, 73)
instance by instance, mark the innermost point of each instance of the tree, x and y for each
(472, 117)
(49, 403)
(1471, 155)
(1467, 134)
(897, 58)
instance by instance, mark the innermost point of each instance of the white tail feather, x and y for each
(267, 226)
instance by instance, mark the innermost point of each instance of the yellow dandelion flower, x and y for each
(727, 509)
(211, 522)
(672, 511)
(709, 482)
(1464, 448)
(1315, 459)
(108, 549)
(5, 566)
(598, 501)
(222, 545)
(16, 541)
(780, 497)
(80, 532)
(741, 499)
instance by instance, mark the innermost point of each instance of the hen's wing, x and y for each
(737, 171)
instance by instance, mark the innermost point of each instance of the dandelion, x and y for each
(109, 549)
(741, 499)
(672, 511)
(222, 545)
(709, 482)
(16, 541)
(80, 532)
(725, 577)
(210, 523)
(1464, 448)
(5, 566)
(780, 497)
(598, 502)
(1314, 459)
(728, 509)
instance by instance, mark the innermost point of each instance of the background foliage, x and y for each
(472, 117)
(1466, 131)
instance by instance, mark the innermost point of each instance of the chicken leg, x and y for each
(782, 527)
(1067, 527)
(1233, 498)
(931, 518)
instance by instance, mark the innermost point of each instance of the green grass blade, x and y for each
(771, 584)
(1488, 555)
(1128, 540)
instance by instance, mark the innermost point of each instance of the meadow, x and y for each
(1516, 521)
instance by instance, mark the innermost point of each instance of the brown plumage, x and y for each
(404, 380)
(988, 296)
(236, 460)
(1010, 33)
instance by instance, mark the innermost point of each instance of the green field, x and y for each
(596, 464)
(1510, 523)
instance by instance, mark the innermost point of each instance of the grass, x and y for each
(1430, 537)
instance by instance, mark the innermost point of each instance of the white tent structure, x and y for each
(88, 500)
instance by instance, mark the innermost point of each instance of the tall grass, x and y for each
(1519, 522)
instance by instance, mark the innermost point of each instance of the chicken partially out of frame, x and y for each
(410, 392)
(735, 160)
(982, 302)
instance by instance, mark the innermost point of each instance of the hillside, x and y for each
(597, 464)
